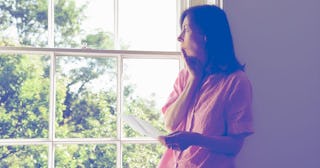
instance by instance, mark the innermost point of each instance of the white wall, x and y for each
(280, 42)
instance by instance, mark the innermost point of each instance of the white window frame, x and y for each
(120, 55)
(52, 141)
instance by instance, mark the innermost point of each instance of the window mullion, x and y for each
(52, 85)
(219, 3)
(51, 155)
(52, 105)
(51, 23)
(116, 25)
(119, 109)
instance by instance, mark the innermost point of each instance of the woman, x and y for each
(209, 109)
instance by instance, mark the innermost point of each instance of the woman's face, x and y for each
(192, 41)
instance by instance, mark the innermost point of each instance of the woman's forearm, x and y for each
(178, 110)
(229, 145)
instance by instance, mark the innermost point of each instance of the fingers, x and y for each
(172, 138)
(174, 146)
(183, 53)
(193, 63)
(186, 57)
(170, 141)
(174, 133)
(162, 140)
(174, 141)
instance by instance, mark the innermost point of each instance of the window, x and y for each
(68, 69)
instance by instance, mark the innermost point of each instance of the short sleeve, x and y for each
(239, 107)
(178, 87)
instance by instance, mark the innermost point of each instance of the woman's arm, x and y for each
(229, 145)
(177, 111)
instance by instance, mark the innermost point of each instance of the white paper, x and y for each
(141, 126)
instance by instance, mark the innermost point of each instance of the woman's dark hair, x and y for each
(212, 22)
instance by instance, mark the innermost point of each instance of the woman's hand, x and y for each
(195, 66)
(179, 140)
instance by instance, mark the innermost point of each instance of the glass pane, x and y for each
(147, 85)
(24, 156)
(85, 156)
(148, 24)
(141, 155)
(85, 97)
(87, 23)
(201, 2)
(24, 96)
(24, 23)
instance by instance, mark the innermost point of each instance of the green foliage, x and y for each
(29, 18)
(89, 109)
(68, 18)
(24, 97)
(85, 90)
(85, 156)
(141, 155)
(24, 156)
(100, 40)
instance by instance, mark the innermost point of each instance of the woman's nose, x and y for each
(180, 39)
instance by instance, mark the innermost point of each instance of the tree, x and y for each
(81, 110)
(23, 107)
(30, 20)
(68, 18)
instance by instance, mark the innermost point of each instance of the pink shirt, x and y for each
(222, 107)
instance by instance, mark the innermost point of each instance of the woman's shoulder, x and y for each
(233, 80)
(238, 78)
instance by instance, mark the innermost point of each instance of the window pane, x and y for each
(148, 24)
(24, 96)
(86, 97)
(24, 23)
(84, 22)
(24, 156)
(147, 85)
(141, 155)
(85, 156)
